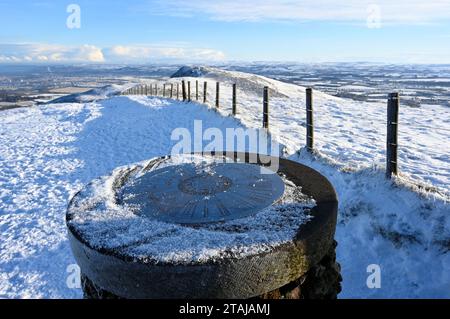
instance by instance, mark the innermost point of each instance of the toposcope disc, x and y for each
(193, 194)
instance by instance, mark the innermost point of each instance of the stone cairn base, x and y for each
(322, 281)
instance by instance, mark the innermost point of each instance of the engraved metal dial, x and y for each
(196, 194)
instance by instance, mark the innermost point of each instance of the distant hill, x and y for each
(91, 95)
(188, 71)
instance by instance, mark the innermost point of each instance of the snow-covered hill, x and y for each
(92, 95)
(349, 134)
(48, 152)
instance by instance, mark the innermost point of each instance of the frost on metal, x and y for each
(106, 221)
(196, 194)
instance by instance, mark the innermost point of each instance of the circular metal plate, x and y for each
(193, 194)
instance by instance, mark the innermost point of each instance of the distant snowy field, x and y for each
(47, 153)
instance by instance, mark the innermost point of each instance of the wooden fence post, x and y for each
(156, 89)
(205, 89)
(196, 90)
(266, 108)
(189, 91)
(178, 91)
(164, 90)
(217, 94)
(183, 89)
(392, 135)
(151, 89)
(309, 120)
(171, 90)
(234, 99)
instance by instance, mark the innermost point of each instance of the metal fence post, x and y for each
(266, 108)
(309, 120)
(392, 135)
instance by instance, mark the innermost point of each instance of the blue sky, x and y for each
(144, 31)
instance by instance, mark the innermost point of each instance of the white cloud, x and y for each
(32, 52)
(90, 53)
(51, 53)
(392, 11)
(147, 53)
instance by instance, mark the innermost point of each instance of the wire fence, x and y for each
(187, 92)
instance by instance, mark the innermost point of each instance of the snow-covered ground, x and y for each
(350, 134)
(48, 152)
